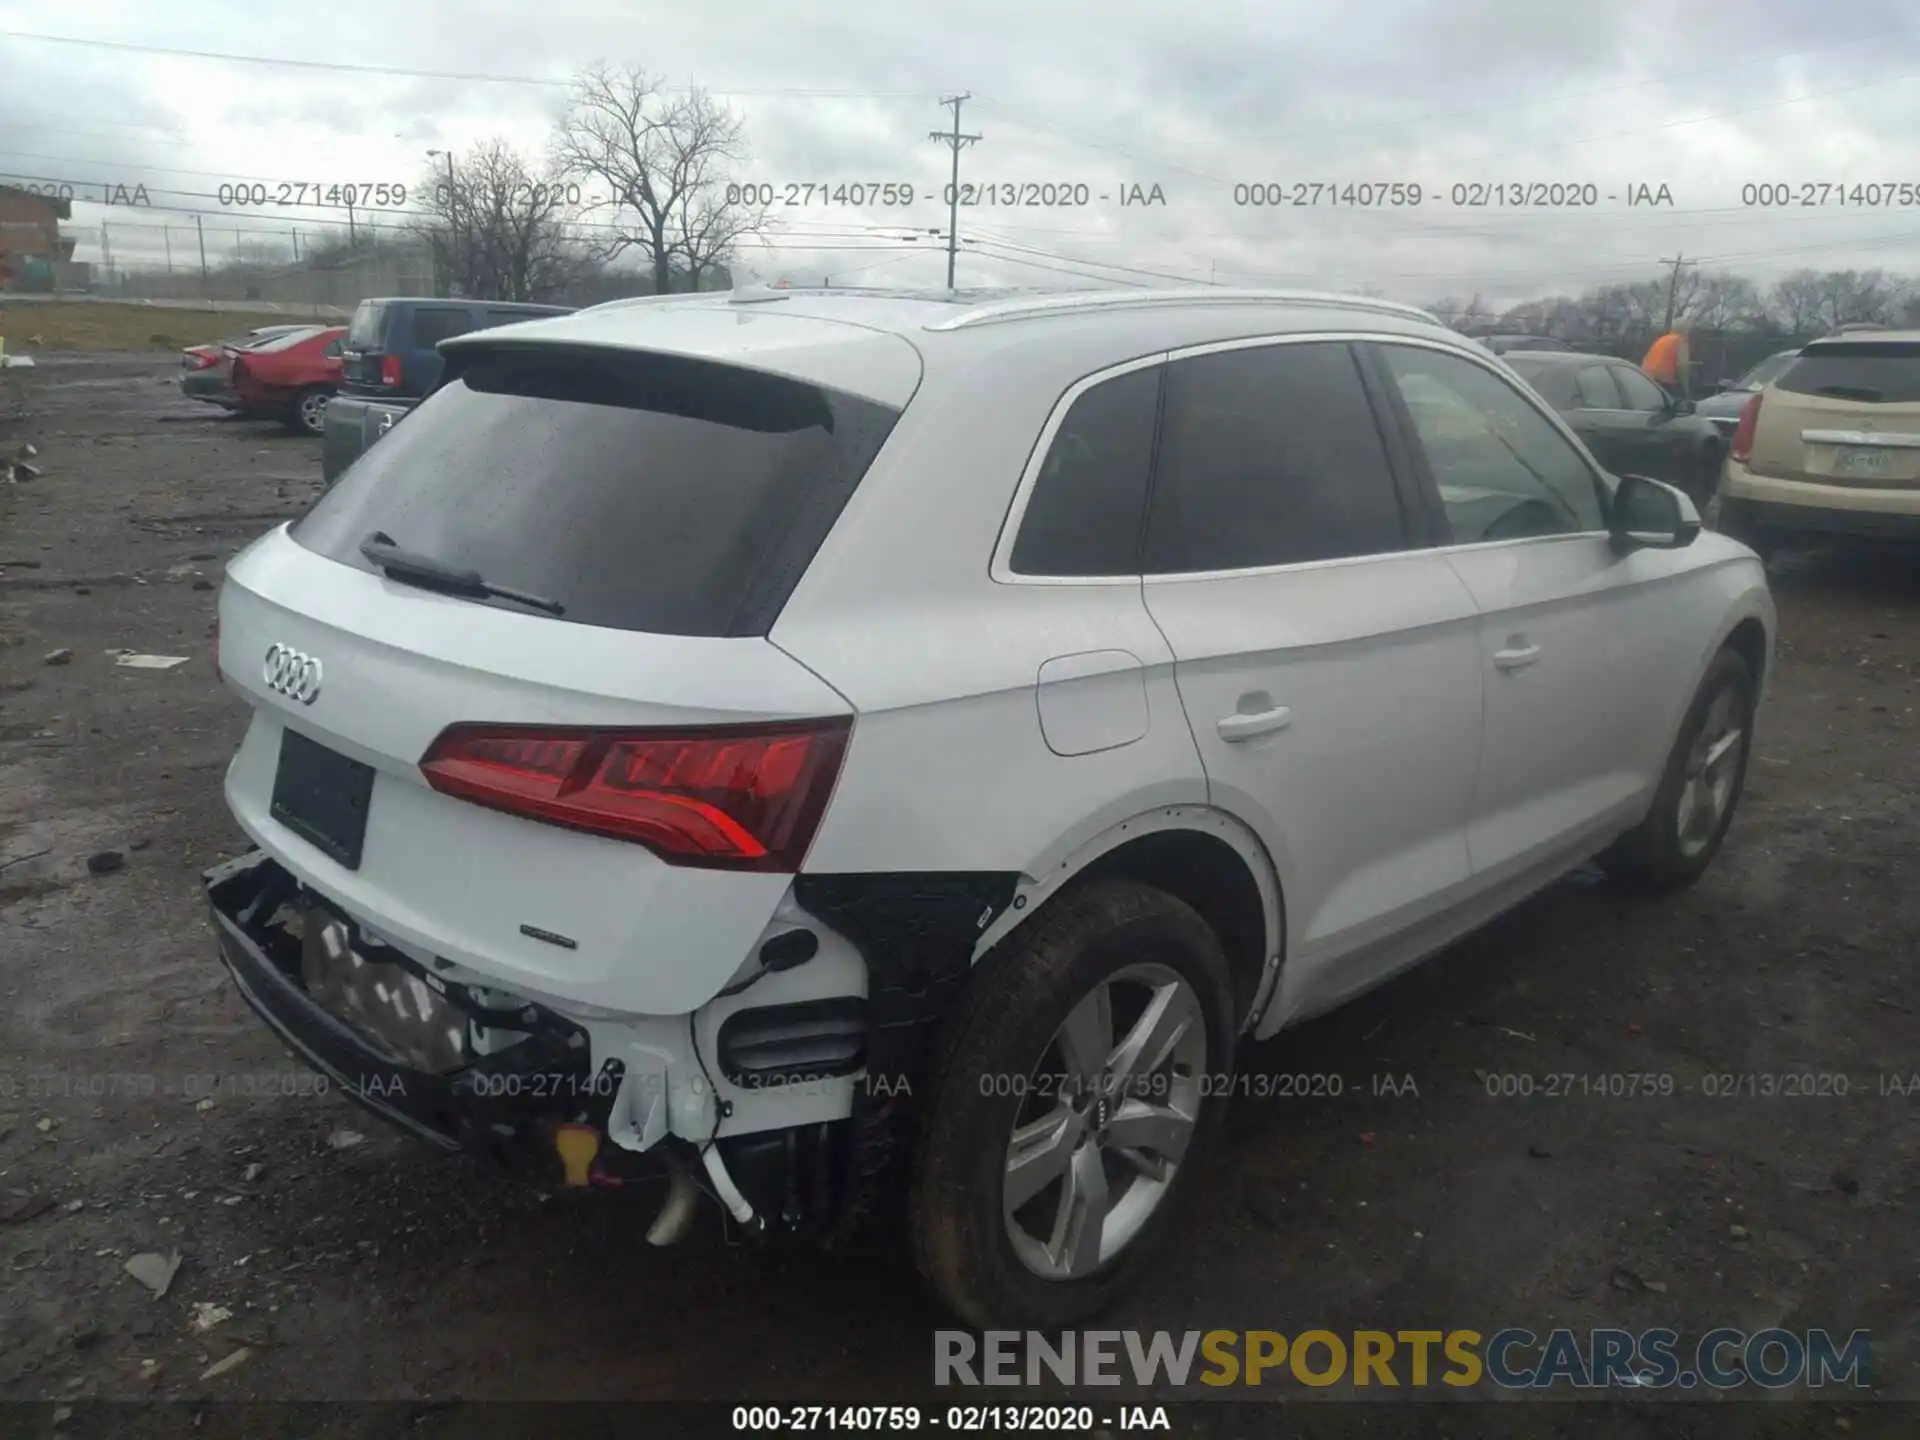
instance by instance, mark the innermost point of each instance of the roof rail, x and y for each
(1086, 300)
(625, 302)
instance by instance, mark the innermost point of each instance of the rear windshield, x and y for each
(1877, 372)
(286, 341)
(1763, 374)
(368, 324)
(640, 492)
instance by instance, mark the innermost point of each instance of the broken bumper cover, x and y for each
(507, 1105)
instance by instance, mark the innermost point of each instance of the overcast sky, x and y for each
(1196, 99)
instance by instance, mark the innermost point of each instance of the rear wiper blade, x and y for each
(431, 574)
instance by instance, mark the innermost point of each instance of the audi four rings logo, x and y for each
(293, 674)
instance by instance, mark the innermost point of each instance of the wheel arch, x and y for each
(1202, 855)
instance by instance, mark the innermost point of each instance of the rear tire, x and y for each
(307, 415)
(1043, 1230)
(1699, 790)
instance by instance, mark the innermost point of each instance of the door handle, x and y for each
(1238, 727)
(1517, 658)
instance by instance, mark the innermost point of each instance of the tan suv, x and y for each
(1832, 446)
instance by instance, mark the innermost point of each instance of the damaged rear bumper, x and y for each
(507, 1106)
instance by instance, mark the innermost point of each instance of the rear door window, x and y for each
(1593, 388)
(1875, 372)
(434, 323)
(644, 492)
(1269, 455)
(1083, 517)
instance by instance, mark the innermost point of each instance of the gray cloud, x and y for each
(1196, 99)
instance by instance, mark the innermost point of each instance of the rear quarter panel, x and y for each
(949, 768)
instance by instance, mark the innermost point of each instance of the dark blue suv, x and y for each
(391, 362)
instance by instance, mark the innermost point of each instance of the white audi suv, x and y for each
(853, 754)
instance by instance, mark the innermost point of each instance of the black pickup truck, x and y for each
(391, 363)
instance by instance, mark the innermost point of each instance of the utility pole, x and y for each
(352, 239)
(1673, 286)
(295, 232)
(200, 230)
(106, 252)
(166, 238)
(955, 140)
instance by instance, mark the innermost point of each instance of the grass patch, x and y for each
(35, 327)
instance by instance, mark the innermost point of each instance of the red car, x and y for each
(292, 376)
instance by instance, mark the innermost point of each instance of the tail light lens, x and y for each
(721, 797)
(389, 369)
(1742, 445)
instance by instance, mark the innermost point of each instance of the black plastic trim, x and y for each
(916, 932)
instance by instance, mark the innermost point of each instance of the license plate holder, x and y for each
(323, 797)
(1862, 462)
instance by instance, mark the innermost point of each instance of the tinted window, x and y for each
(1637, 391)
(647, 493)
(1878, 372)
(431, 326)
(368, 326)
(1503, 471)
(1552, 383)
(511, 317)
(1083, 517)
(1269, 456)
(1593, 388)
(1766, 372)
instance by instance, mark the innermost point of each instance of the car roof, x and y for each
(1863, 337)
(876, 343)
(1560, 357)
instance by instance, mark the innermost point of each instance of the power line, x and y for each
(956, 142)
(408, 73)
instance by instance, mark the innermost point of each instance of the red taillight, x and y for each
(724, 797)
(1743, 432)
(198, 360)
(389, 369)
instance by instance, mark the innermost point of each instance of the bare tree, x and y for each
(1796, 302)
(1849, 297)
(502, 231)
(664, 162)
(1725, 302)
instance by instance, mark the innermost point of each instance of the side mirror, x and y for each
(1679, 405)
(1649, 515)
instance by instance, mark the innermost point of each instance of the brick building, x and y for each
(33, 252)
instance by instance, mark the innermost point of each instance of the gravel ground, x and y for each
(147, 1111)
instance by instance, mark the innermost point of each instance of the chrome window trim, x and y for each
(1000, 568)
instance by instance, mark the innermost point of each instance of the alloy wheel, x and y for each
(313, 412)
(1104, 1122)
(1712, 765)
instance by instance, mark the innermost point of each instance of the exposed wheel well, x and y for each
(1211, 876)
(1749, 642)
